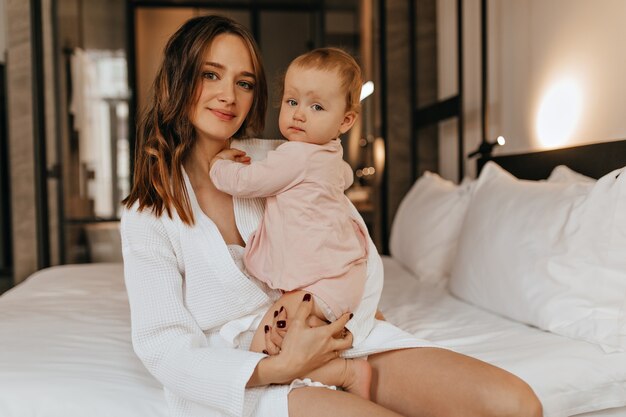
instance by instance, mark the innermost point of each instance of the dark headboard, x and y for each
(593, 160)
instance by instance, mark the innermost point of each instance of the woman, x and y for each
(194, 312)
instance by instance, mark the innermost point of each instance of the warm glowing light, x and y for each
(379, 157)
(559, 112)
(367, 89)
(501, 140)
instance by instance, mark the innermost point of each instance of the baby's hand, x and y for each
(232, 154)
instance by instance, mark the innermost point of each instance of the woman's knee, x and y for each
(515, 399)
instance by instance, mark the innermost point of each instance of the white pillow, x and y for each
(426, 227)
(564, 174)
(548, 254)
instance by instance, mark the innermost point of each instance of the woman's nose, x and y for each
(226, 93)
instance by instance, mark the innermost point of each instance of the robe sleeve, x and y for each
(165, 335)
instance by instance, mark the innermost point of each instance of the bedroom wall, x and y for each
(560, 50)
(21, 135)
(565, 50)
(447, 82)
(3, 33)
(5, 278)
(556, 62)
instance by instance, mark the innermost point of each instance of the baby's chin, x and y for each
(306, 139)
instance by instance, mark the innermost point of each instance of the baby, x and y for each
(309, 238)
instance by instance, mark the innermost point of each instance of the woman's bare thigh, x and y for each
(439, 382)
(316, 402)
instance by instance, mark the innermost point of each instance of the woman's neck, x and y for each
(200, 156)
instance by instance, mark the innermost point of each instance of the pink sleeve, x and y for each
(282, 169)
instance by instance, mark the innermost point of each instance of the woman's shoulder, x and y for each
(257, 148)
(134, 219)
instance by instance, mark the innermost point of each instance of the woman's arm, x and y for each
(166, 337)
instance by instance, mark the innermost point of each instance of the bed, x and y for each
(65, 345)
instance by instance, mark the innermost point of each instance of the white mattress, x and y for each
(65, 348)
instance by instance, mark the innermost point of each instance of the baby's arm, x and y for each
(282, 169)
(234, 155)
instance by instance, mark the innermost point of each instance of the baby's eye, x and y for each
(291, 102)
(209, 75)
(246, 85)
(317, 107)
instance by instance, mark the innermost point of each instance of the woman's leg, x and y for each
(315, 402)
(439, 382)
(353, 375)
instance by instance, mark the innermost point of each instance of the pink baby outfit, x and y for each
(308, 238)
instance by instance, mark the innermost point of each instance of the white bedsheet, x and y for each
(65, 348)
(569, 376)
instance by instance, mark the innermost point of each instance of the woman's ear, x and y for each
(348, 121)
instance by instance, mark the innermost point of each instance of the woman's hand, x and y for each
(275, 333)
(299, 348)
(306, 348)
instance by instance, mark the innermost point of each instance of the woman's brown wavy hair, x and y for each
(165, 135)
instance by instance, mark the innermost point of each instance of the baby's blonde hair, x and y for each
(335, 59)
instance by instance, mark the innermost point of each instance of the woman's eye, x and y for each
(246, 85)
(291, 102)
(209, 75)
(317, 107)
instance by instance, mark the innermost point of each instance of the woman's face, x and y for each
(226, 89)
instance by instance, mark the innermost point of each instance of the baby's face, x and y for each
(313, 107)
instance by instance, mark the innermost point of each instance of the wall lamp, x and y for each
(486, 148)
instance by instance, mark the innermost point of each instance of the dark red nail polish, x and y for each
(275, 313)
(267, 328)
(265, 351)
(281, 324)
(351, 315)
(281, 309)
(307, 297)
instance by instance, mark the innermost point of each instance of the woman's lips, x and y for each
(226, 116)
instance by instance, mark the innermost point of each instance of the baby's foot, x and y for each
(358, 377)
